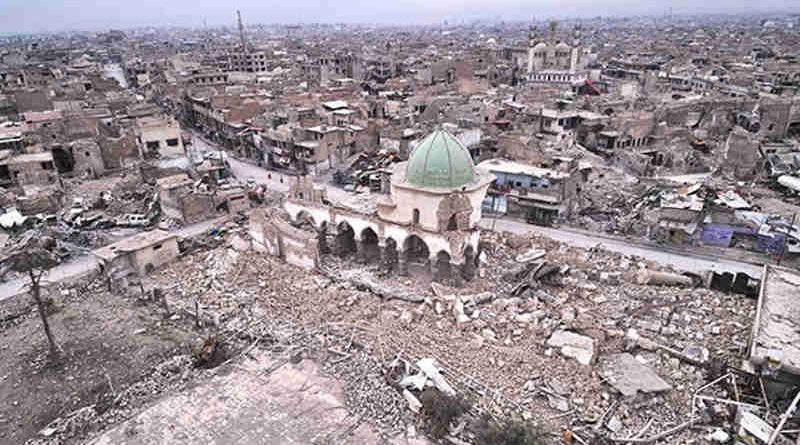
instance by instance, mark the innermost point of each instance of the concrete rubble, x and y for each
(629, 376)
(589, 224)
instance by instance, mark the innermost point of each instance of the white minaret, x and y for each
(532, 41)
(576, 48)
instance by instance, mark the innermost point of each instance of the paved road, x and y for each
(686, 261)
(84, 264)
(274, 180)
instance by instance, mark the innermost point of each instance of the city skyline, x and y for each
(19, 16)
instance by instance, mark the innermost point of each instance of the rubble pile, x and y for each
(550, 350)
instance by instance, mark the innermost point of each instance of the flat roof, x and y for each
(512, 167)
(776, 333)
(134, 243)
(335, 104)
(173, 180)
(42, 116)
(28, 157)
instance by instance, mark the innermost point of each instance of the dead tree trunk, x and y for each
(37, 297)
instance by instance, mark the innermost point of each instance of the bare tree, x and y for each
(33, 255)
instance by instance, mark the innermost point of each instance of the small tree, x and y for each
(33, 255)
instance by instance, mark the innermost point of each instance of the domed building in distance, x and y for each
(427, 223)
(553, 61)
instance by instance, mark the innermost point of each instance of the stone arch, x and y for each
(345, 243)
(304, 219)
(454, 213)
(370, 250)
(442, 270)
(793, 129)
(416, 252)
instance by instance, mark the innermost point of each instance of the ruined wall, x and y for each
(456, 209)
(742, 158)
(114, 151)
(775, 118)
(88, 158)
(196, 207)
(274, 236)
(150, 258)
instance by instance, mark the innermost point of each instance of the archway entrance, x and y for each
(369, 246)
(416, 254)
(345, 240)
(793, 130)
(443, 269)
(305, 221)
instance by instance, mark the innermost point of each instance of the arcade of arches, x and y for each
(410, 256)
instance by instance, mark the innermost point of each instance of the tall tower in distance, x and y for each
(533, 39)
(242, 39)
(575, 51)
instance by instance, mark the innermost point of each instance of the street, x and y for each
(79, 266)
(686, 261)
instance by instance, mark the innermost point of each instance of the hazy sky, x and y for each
(59, 15)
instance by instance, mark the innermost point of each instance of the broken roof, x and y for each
(775, 339)
(134, 243)
(511, 167)
(335, 104)
(28, 157)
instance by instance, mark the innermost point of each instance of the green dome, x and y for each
(440, 161)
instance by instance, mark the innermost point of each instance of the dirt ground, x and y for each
(107, 343)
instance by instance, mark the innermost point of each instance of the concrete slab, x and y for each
(629, 376)
(294, 404)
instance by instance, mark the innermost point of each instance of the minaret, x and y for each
(553, 26)
(576, 48)
(532, 41)
(242, 40)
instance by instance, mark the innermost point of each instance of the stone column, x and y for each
(382, 257)
(456, 274)
(402, 264)
(333, 241)
(322, 239)
(361, 256)
(467, 270)
(434, 267)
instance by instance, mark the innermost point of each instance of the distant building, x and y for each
(139, 254)
(159, 137)
(540, 195)
(552, 61)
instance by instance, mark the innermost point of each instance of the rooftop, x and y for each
(517, 168)
(134, 243)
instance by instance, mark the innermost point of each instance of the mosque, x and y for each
(427, 222)
(553, 61)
